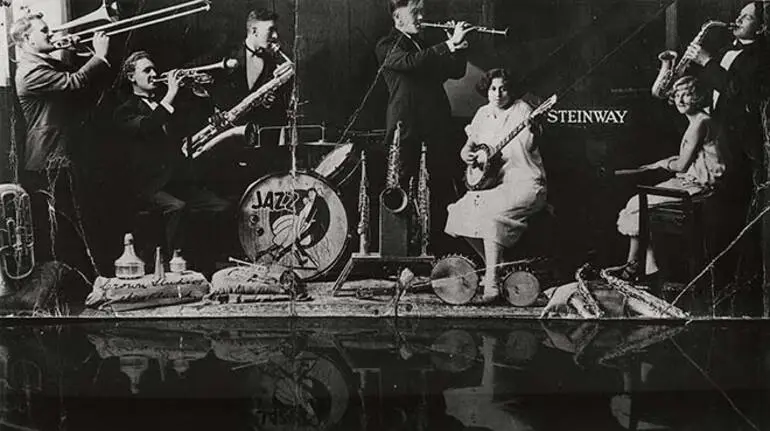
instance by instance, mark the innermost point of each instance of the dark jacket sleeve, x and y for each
(138, 125)
(394, 57)
(456, 65)
(747, 83)
(45, 78)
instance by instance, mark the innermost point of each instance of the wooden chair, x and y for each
(684, 217)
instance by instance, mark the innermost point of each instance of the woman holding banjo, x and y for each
(494, 219)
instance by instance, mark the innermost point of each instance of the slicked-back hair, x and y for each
(20, 28)
(260, 15)
(129, 64)
(396, 4)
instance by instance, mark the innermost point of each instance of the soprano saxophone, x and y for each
(223, 125)
(423, 201)
(669, 72)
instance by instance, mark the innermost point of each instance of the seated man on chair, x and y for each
(161, 175)
(697, 168)
(494, 219)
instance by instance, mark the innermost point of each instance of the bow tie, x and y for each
(737, 46)
(259, 52)
(154, 99)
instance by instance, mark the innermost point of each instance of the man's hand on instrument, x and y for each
(174, 82)
(480, 156)
(697, 54)
(101, 43)
(457, 38)
(268, 101)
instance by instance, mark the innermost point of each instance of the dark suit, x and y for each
(233, 87)
(741, 88)
(234, 165)
(50, 96)
(415, 78)
(161, 177)
(47, 90)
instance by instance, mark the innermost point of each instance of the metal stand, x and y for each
(396, 209)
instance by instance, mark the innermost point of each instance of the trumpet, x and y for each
(449, 26)
(115, 26)
(198, 74)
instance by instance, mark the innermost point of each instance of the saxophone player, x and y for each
(739, 78)
(161, 177)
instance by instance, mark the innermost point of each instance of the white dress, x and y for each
(702, 175)
(501, 213)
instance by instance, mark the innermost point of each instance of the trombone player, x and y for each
(48, 92)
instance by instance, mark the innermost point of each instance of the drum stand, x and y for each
(394, 231)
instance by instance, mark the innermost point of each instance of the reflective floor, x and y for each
(337, 374)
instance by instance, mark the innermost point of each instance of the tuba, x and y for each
(669, 73)
(17, 255)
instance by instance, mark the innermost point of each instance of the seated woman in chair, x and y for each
(494, 219)
(697, 168)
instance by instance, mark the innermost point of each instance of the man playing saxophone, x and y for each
(161, 176)
(740, 79)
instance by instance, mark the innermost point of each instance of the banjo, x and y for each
(482, 175)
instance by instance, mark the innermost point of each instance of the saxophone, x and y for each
(394, 197)
(669, 72)
(423, 200)
(222, 125)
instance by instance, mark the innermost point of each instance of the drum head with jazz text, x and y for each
(298, 222)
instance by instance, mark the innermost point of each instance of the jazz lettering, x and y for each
(275, 200)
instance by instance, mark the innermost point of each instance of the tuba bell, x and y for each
(17, 242)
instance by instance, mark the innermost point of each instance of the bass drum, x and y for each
(298, 222)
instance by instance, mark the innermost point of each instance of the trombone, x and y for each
(449, 26)
(67, 41)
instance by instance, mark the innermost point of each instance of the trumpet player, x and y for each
(739, 77)
(153, 128)
(51, 94)
(415, 73)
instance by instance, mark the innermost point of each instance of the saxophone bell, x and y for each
(394, 197)
(669, 71)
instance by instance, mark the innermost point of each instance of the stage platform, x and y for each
(324, 304)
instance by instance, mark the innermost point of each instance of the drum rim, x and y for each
(355, 148)
(345, 241)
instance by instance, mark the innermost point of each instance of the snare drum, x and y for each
(297, 222)
(339, 164)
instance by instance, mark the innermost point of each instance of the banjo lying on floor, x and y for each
(482, 175)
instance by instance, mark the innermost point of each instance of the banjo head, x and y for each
(296, 222)
(454, 279)
(521, 288)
